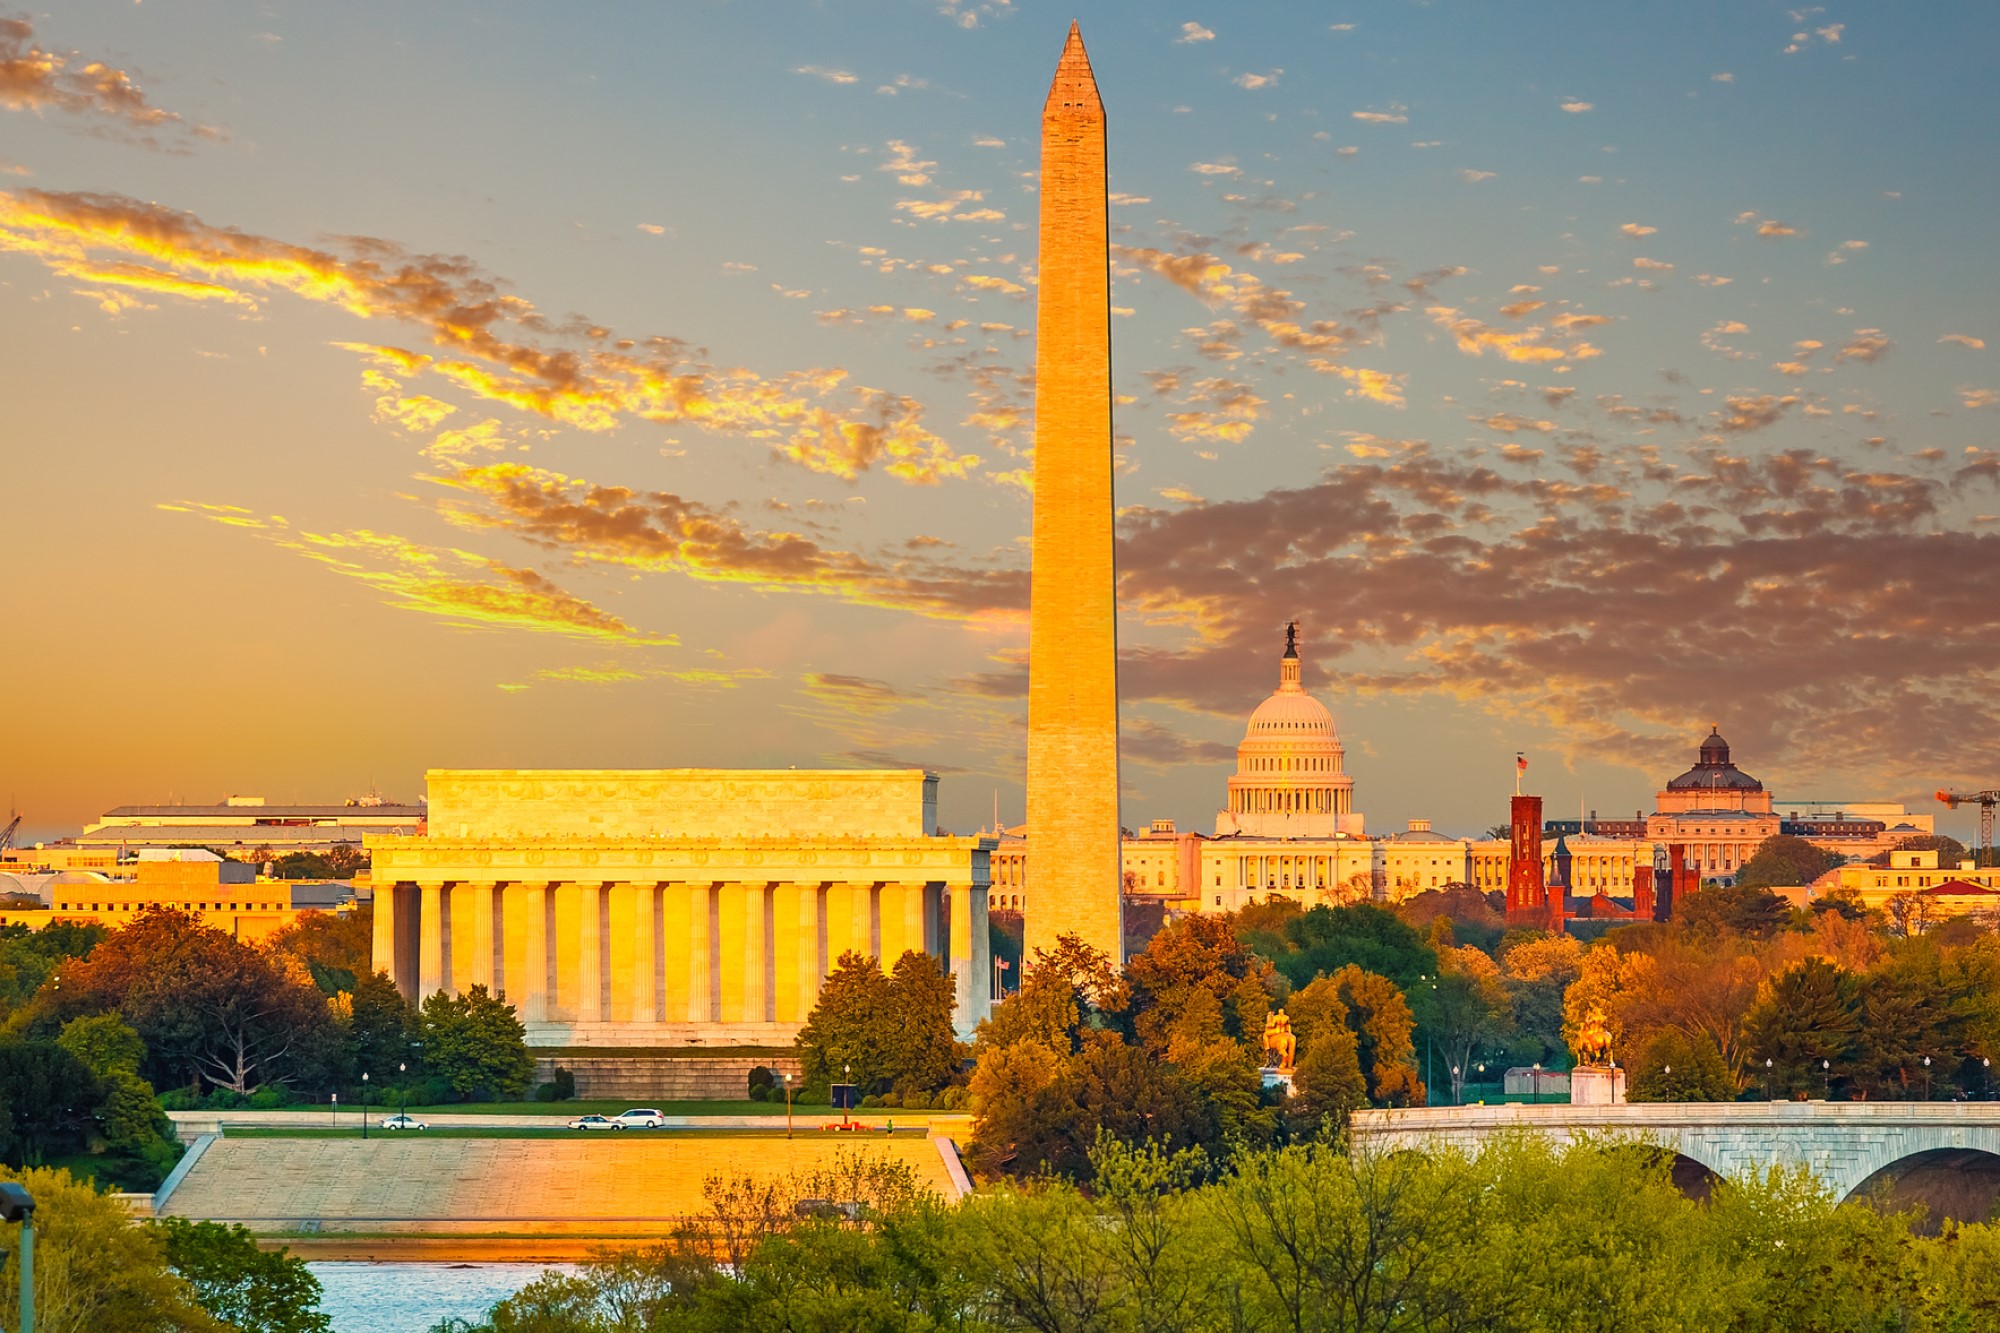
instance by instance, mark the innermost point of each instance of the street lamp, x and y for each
(1482, 1080)
(788, 1105)
(847, 1077)
(364, 1103)
(1826, 1077)
(403, 1086)
(1927, 1078)
(17, 1205)
(1535, 1090)
(1987, 1077)
(1767, 1078)
(336, 1110)
(1457, 1088)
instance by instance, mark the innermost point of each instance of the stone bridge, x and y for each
(1944, 1155)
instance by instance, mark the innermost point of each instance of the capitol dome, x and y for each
(1289, 779)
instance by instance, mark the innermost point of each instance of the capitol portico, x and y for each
(675, 906)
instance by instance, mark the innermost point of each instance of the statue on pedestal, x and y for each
(1597, 1080)
(1281, 1049)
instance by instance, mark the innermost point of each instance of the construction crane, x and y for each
(7, 834)
(1982, 850)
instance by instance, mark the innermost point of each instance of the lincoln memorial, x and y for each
(675, 906)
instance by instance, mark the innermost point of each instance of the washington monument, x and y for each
(1073, 830)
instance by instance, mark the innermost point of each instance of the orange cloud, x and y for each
(491, 343)
(1476, 338)
(34, 79)
(456, 586)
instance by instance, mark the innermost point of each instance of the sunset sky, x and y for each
(393, 386)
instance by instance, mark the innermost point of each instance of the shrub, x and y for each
(759, 1094)
(565, 1085)
(545, 1092)
(917, 1101)
(871, 1102)
(270, 1098)
(762, 1083)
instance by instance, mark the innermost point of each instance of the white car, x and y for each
(594, 1122)
(641, 1117)
(401, 1121)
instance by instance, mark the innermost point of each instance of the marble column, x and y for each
(701, 953)
(590, 948)
(795, 951)
(756, 953)
(729, 921)
(902, 921)
(964, 978)
(485, 964)
(526, 932)
(434, 968)
(631, 948)
(382, 957)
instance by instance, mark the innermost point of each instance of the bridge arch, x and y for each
(1954, 1183)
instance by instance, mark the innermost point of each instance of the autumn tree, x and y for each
(1382, 1024)
(1742, 909)
(336, 949)
(1465, 1007)
(1199, 953)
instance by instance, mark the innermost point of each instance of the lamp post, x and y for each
(17, 1205)
(1767, 1078)
(403, 1086)
(1482, 1079)
(1457, 1088)
(336, 1110)
(364, 1103)
(1927, 1078)
(1535, 1089)
(1826, 1077)
(847, 1077)
(788, 1105)
(1986, 1077)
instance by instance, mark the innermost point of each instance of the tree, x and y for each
(29, 957)
(476, 1045)
(1783, 861)
(1328, 1085)
(1382, 1024)
(1467, 1007)
(1673, 1067)
(850, 1033)
(1327, 939)
(1743, 909)
(95, 1272)
(336, 948)
(251, 1289)
(207, 1006)
(1809, 1013)
(1064, 993)
(923, 1051)
(51, 1096)
(105, 1043)
(1199, 954)
(1536, 972)
(381, 1027)
(1907, 1012)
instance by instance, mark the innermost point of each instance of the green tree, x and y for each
(251, 1289)
(476, 1045)
(852, 1030)
(336, 949)
(137, 1131)
(1783, 861)
(922, 1051)
(381, 1027)
(1328, 1085)
(95, 1272)
(1810, 1012)
(1949, 849)
(1907, 1012)
(1674, 1067)
(105, 1043)
(1373, 938)
(1202, 954)
(51, 1096)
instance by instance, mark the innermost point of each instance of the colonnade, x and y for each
(668, 954)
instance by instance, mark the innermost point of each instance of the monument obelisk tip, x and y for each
(1074, 88)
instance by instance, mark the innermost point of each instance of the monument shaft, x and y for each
(1073, 829)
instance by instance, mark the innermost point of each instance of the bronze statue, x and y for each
(1279, 1042)
(1593, 1040)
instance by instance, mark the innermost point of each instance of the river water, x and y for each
(412, 1298)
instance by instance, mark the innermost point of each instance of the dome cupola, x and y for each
(1289, 778)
